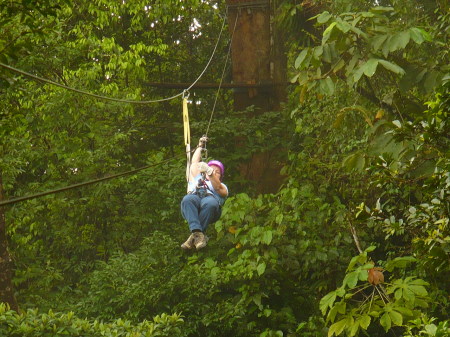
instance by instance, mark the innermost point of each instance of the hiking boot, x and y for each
(200, 240)
(189, 243)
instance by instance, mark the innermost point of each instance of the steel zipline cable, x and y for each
(83, 92)
(90, 182)
(94, 181)
(223, 75)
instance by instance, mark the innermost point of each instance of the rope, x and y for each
(223, 75)
(111, 98)
(90, 182)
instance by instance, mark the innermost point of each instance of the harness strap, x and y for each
(187, 138)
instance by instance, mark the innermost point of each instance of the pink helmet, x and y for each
(219, 165)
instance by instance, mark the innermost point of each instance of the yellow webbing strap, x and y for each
(187, 137)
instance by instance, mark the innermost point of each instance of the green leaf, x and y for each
(354, 329)
(337, 327)
(327, 32)
(323, 17)
(355, 161)
(381, 9)
(351, 65)
(339, 66)
(300, 58)
(327, 86)
(399, 262)
(418, 290)
(416, 35)
(431, 329)
(396, 317)
(332, 314)
(370, 249)
(377, 41)
(370, 67)
(358, 73)
(364, 322)
(327, 302)
(430, 81)
(351, 279)
(409, 295)
(399, 41)
(267, 237)
(261, 268)
(343, 26)
(317, 52)
(326, 56)
(385, 321)
(392, 67)
(397, 123)
(404, 311)
(398, 294)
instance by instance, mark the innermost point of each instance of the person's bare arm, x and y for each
(196, 158)
(217, 184)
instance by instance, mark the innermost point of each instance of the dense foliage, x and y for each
(34, 324)
(355, 242)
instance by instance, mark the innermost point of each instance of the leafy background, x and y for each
(354, 242)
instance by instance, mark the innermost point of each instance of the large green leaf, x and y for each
(327, 32)
(323, 17)
(396, 317)
(416, 35)
(364, 322)
(386, 321)
(338, 327)
(300, 58)
(377, 41)
(327, 302)
(370, 67)
(392, 67)
(327, 86)
(261, 268)
(351, 279)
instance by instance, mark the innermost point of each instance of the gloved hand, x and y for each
(203, 167)
(202, 142)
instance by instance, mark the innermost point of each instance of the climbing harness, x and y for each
(202, 188)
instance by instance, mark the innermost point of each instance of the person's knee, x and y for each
(210, 204)
(189, 198)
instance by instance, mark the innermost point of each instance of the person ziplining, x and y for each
(202, 205)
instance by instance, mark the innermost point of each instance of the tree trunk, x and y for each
(257, 58)
(6, 289)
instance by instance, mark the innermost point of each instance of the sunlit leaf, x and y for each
(370, 67)
(364, 322)
(385, 321)
(300, 58)
(327, 301)
(261, 268)
(351, 279)
(323, 17)
(337, 328)
(396, 317)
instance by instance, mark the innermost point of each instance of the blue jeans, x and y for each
(200, 211)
